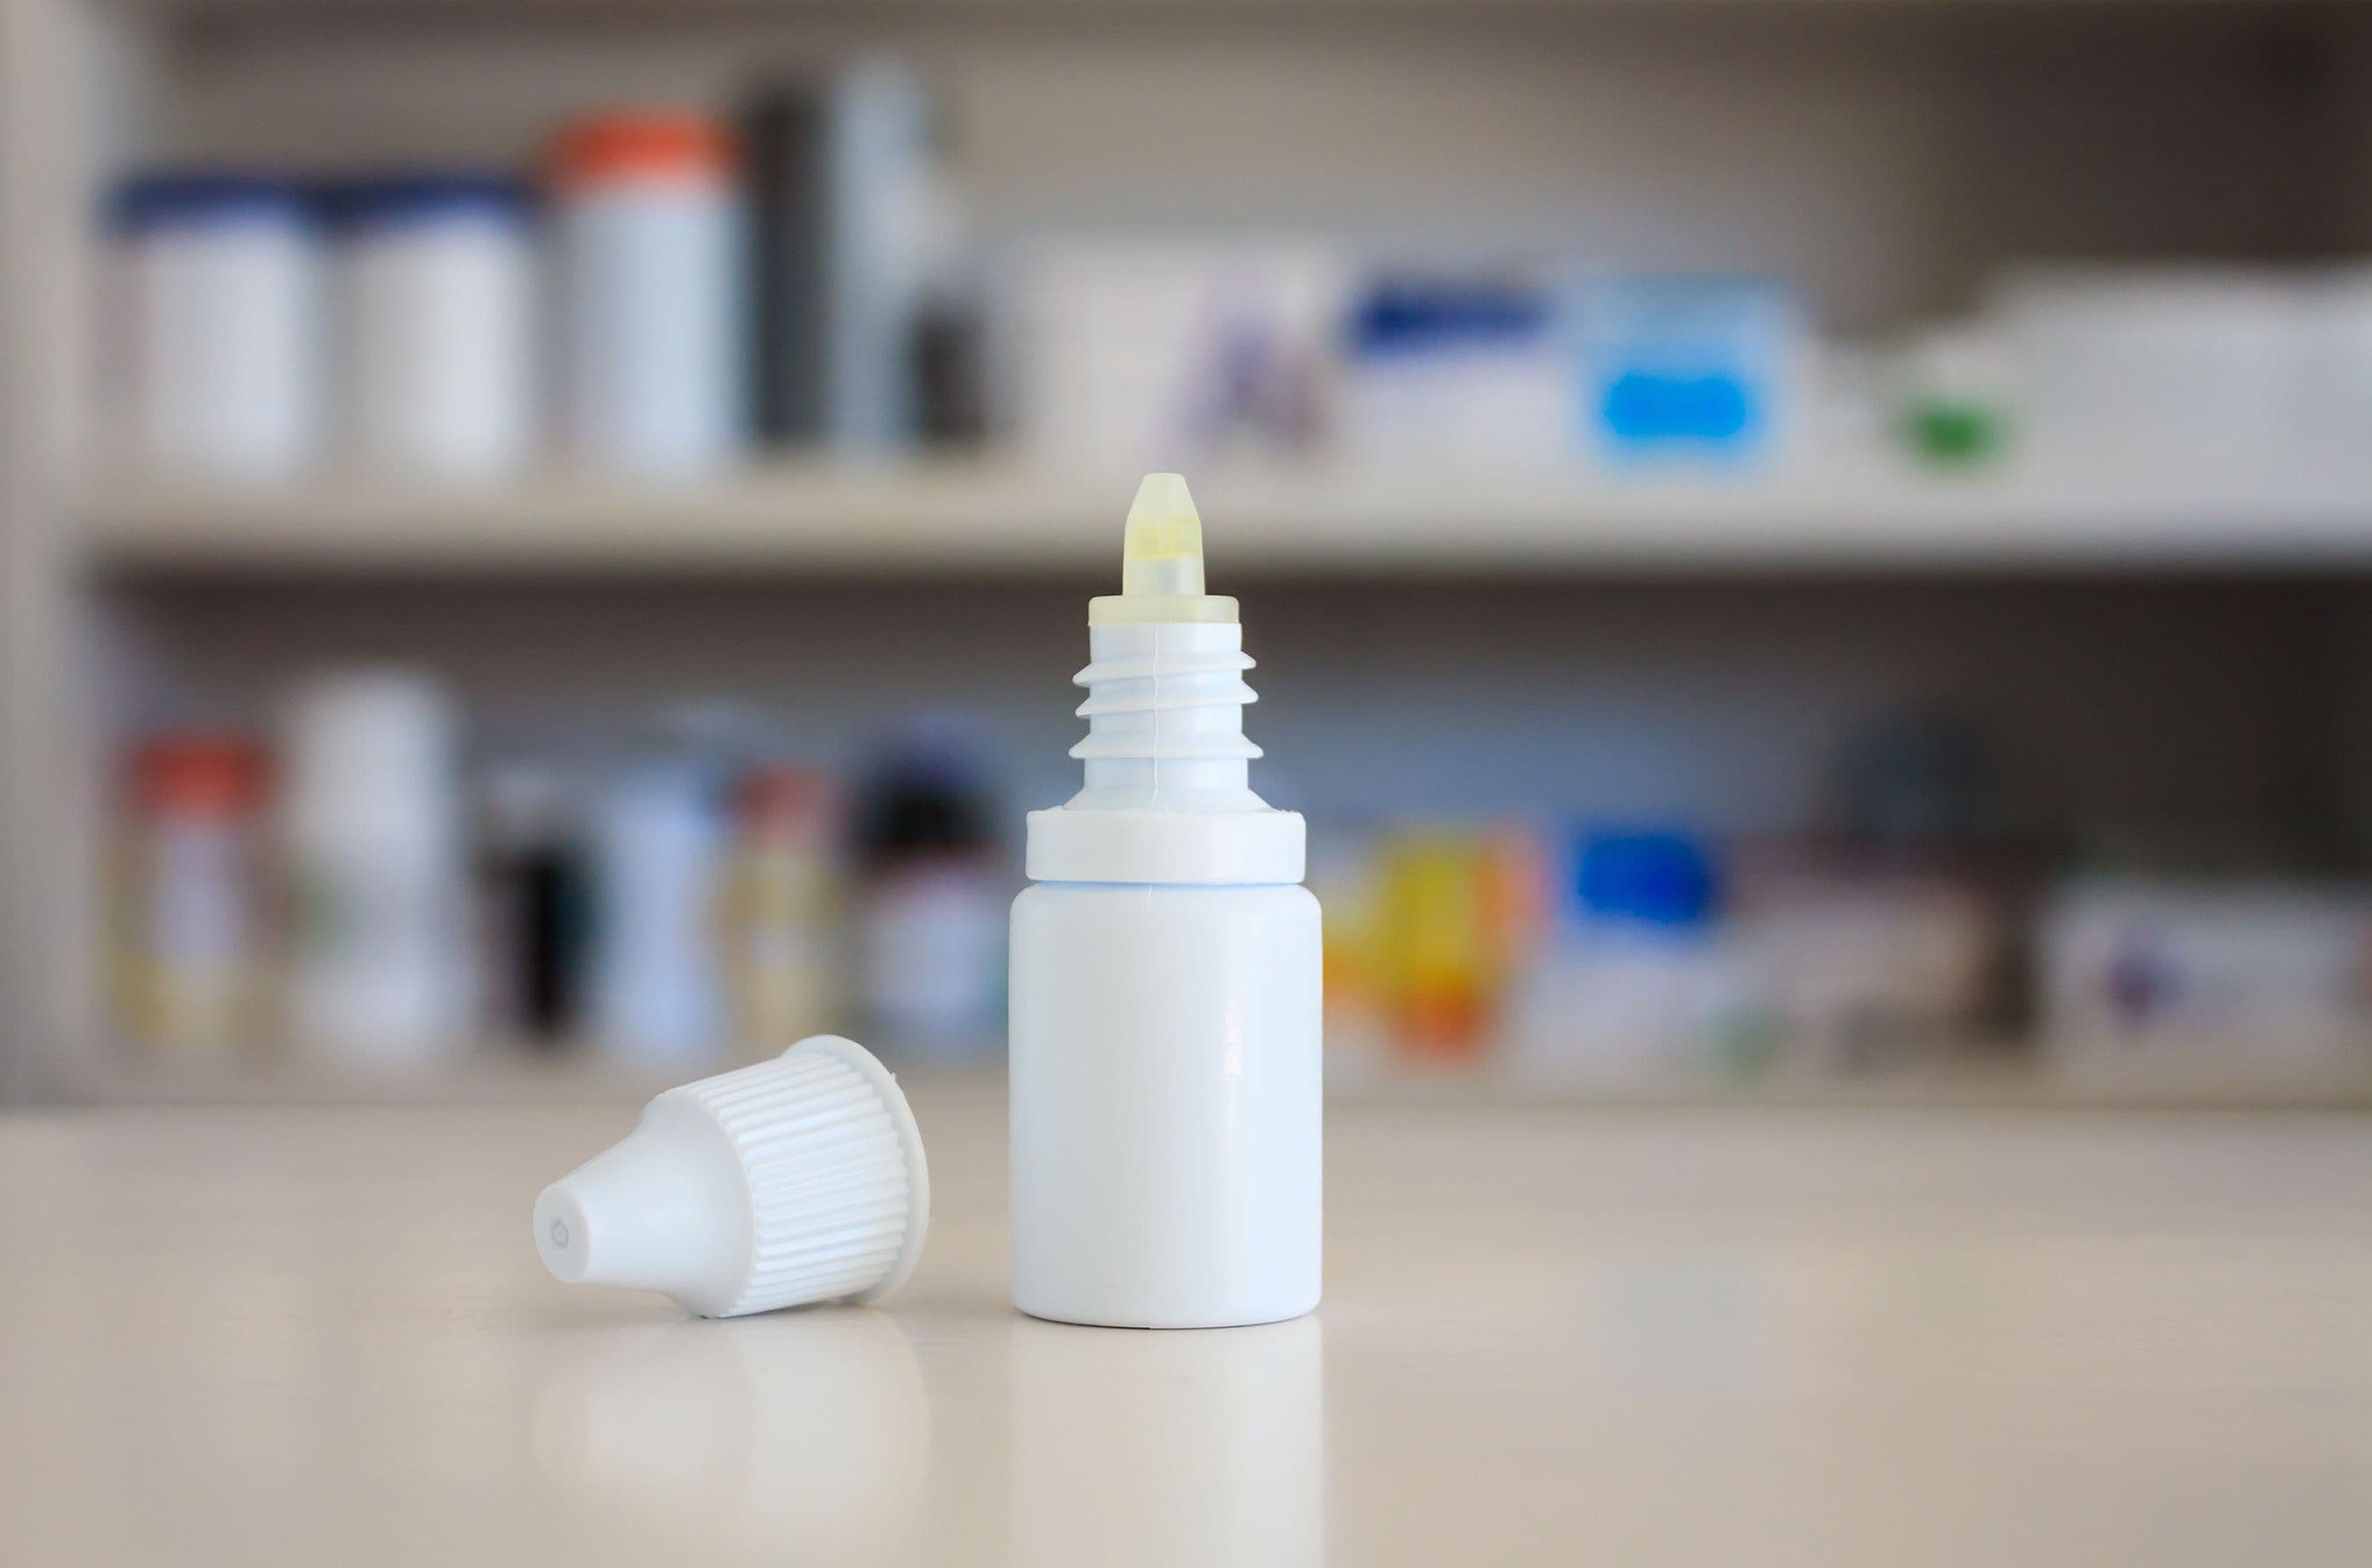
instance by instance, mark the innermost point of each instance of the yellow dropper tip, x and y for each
(1162, 552)
(1161, 562)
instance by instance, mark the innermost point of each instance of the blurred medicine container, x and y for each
(1705, 372)
(1640, 978)
(1344, 873)
(855, 232)
(787, 907)
(1456, 373)
(1445, 931)
(217, 365)
(653, 313)
(438, 277)
(2173, 972)
(1877, 957)
(932, 939)
(534, 912)
(659, 848)
(1952, 396)
(375, 838)
(190, 925)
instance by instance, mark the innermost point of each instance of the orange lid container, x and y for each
(656, 145)
(782, 801)
(217, 777)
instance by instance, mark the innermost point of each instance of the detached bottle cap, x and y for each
(796, 1181)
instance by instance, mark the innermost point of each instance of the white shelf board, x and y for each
(972, 517)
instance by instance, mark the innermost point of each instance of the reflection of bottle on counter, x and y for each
(933, 926)
(191, 927)
(785, 908)
(377, 969)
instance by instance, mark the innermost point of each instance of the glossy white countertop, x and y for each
(1885, 1338)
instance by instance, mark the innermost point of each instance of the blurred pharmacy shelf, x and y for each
(1888, 168)
(971, 516)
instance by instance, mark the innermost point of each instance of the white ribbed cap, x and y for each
(800, 1180)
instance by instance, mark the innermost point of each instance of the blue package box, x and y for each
(1693, 371)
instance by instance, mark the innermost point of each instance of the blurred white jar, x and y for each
(220, 356)
(650, 234)
(439, 303)
(373, 825)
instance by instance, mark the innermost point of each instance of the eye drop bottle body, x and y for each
(1166, 1077)
(1165, 1104)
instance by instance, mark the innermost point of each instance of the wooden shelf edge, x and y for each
(953, 517)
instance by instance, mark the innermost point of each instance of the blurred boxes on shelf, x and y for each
(1706, 373)
(1463, 371)
(2218, 368)
(1871, 958)
(2124, 362)
(2270, 973)
(1638, 976)
(809, 276)
(1142, 348)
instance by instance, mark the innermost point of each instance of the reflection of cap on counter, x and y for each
(817, 1431)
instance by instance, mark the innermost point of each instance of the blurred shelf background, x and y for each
(2131, 684)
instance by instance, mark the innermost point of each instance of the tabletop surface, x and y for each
(1883, 1338)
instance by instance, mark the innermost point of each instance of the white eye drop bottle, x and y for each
(1165, 1048)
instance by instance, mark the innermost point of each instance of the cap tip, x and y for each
(1163, 495)
(563, 1239)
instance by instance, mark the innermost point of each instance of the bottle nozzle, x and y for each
(1161, 561)
(1163, 551)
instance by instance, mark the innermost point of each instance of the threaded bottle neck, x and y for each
(1165, 714)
